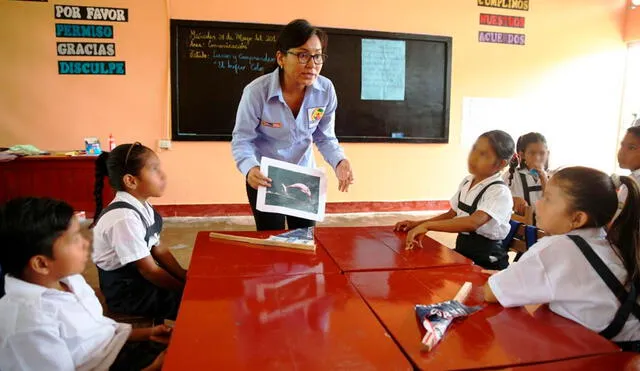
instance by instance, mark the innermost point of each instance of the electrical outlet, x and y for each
(164, 143)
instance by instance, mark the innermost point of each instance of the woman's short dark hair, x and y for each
(296, 34)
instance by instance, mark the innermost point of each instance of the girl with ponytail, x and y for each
(138, 275)
(582, 271)
(527, 175)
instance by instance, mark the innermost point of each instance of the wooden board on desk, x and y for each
(213, 257)
(262, 241)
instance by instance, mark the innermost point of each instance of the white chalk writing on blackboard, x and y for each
(227, 40)
(235, 51)
(198, 54)
(242, 62)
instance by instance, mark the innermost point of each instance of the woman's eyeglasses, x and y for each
(304, 57)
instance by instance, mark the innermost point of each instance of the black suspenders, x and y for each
(150, 229)
(526, 189)
(627, 300)
(472, 209)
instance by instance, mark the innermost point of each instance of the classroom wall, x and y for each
(567, 82)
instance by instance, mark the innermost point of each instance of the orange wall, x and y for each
(569, 76)
(632, 26)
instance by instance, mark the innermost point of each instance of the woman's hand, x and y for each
(255, 178)
(344, 175)
(415, 236)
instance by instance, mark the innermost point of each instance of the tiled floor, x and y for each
(180, 233)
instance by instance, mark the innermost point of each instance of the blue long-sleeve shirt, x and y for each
(265, 126)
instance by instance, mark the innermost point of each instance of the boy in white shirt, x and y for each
(51, 319)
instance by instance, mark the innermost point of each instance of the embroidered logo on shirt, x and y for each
(271, 124)
(315, 114)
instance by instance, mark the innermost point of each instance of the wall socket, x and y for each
(164, 144)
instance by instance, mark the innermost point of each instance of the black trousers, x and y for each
(273, 221)
(126, 291)
(488, 254)
(134, 356)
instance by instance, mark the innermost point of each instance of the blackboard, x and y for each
(212, 62)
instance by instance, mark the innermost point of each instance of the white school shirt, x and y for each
(47, 329)
(496, 202)
(622, 193)
(516, 185)
(118, 238)
(555, 271)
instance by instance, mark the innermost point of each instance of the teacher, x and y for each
(283, 112)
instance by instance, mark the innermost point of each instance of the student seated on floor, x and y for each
(583, 272)
(50, 318)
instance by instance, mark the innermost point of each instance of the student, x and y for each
(629, 158)
(528, 182)
(138, 275)
(51, 319)
(480, 209)
(578, 268)
(282, 113)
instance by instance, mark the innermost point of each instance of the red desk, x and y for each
(220, 258)
(380, 248)
(302, 322)
(615, 361)
(66, 178)
(492, 337)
